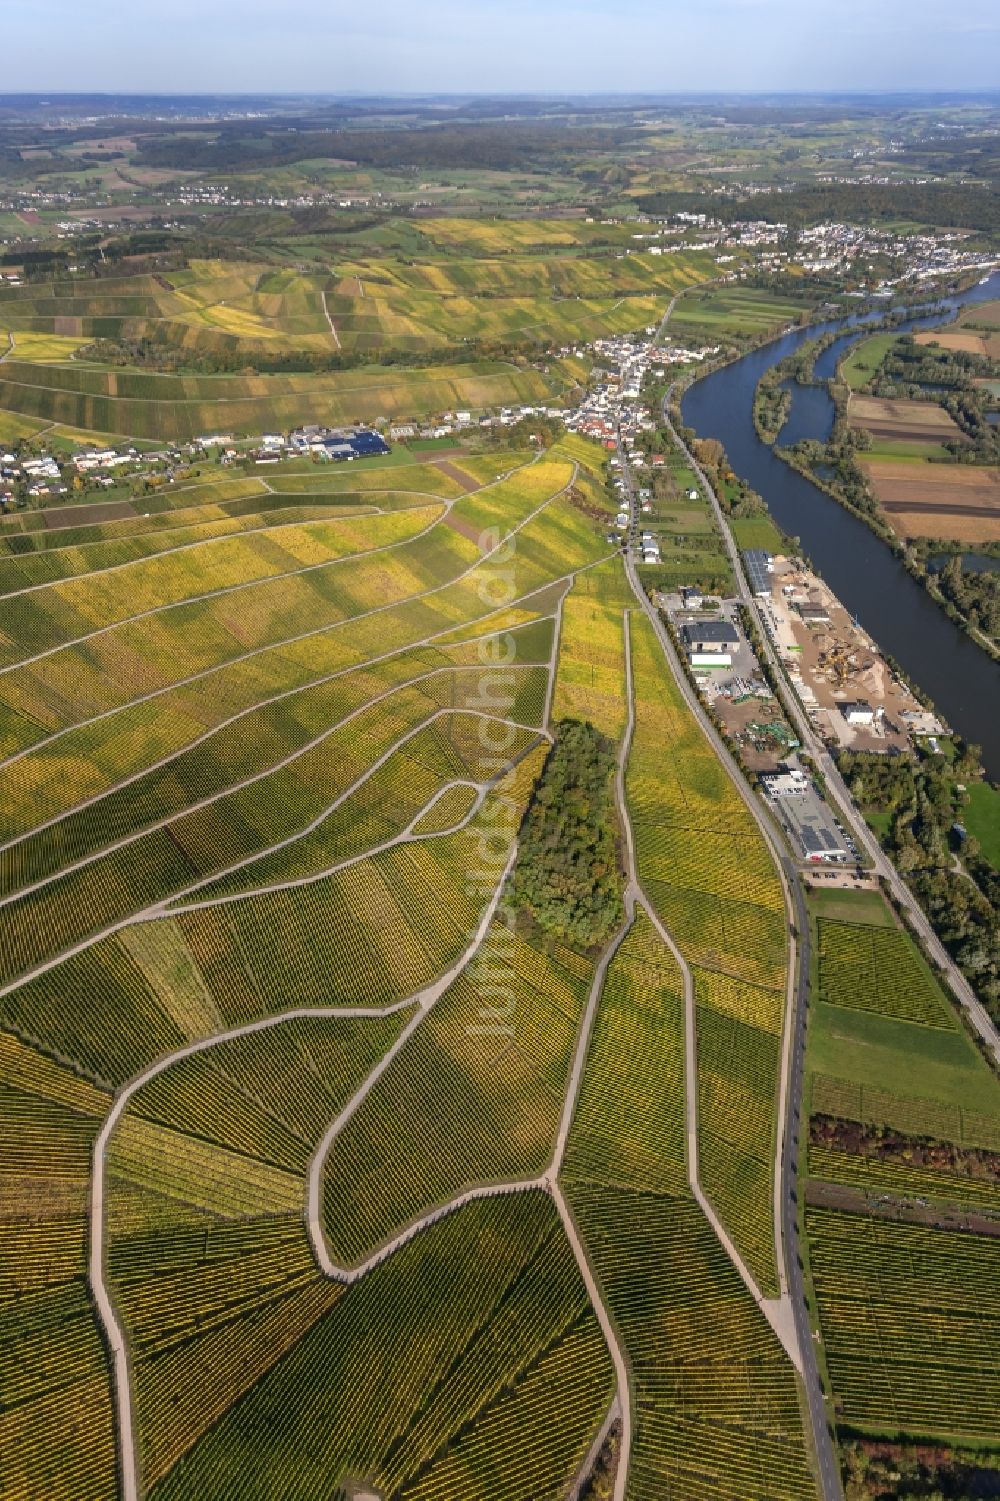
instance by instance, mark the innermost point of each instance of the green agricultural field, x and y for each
(757, 531)
(982, 818)
(735, 310)
(902, 1111)
(864, 359)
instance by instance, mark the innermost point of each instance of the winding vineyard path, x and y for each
(259, 776)
(255, 708)
(285, 641)
(196, 599)
(164, 907)
(788, 1314)
(421, 1002)
(329, 319)
(420, 498)
(548, 1182)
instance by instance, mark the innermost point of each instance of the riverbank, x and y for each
(949, 912)
(861, 500)
(861, 567)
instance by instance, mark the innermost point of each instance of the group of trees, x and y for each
(877, 1471)
(856, 203)
(499, 146)
(772, 403)
(976, 596)
(567, 873)
(923, 802)
(919, 370)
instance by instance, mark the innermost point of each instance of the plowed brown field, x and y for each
(902, 421)
(968, 342)
(953, 501)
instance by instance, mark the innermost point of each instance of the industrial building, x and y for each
(759, 566)
(805, 817)
(859, 711)
(709, 643)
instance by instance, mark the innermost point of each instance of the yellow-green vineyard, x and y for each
(249, 870)
(225, 315)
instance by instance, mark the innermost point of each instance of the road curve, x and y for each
(259, 776)
(426, 642)
(107, 1317)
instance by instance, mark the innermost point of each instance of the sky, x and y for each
(529, 46)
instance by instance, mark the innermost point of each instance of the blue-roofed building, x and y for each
(363, 444)
(367, 443)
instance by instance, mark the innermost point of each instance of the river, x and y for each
(963, 680)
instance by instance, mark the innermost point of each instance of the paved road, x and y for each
(826, 1457)
(962, 990)
(792, 1321)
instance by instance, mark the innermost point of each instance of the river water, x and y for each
(961, 679)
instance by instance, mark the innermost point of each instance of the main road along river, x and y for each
(963, 680)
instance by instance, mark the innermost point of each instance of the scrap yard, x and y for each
(844, 683)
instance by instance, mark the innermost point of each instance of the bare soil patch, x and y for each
(467, 482)
(982, 315)
(966, 343)
(903, 1211)
(955, 501)
(89, 515)
(485, 541)
(65, 324)
(902, 421)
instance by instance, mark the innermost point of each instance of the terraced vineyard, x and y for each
(716, 1405)
(211, 310)
(878, 969)
(909, 1316)
(308, 1127)
(711, 877)
(269, 777)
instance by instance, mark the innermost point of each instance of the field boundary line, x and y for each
(169, 907)
(326, 314)
(195, 599)
(264, 703)
(104, 1305)
(426, 999)
(322, 630)
(420, 496)
(778, 1311)
(157, 911)
(260, 776)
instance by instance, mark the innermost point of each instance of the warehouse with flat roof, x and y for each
(759, 566)
(807, 819)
